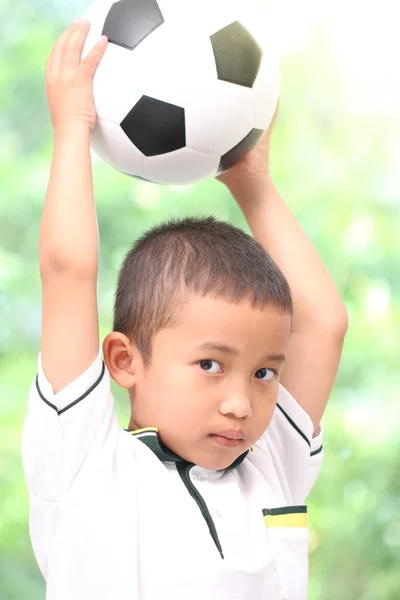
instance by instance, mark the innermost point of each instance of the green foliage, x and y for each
(334, 163)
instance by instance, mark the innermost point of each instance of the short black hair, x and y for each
(202, 256)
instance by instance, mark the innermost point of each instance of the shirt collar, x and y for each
(149, 436)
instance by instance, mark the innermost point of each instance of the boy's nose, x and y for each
(238, 405)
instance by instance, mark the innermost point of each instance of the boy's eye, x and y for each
(209, 366)
(213, 366)
(265, 374)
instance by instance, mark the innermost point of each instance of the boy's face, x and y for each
(191, 393)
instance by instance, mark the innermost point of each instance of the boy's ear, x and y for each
(121, 358)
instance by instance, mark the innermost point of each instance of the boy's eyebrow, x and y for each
(234, 352)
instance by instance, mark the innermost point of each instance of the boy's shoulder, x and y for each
(287, 452)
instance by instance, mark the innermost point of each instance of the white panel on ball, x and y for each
(111, 144)
(176, 10)
(210, 16)
(185, 64)
(116, 90)
(266, 90)
(183, 166)
(220, 119)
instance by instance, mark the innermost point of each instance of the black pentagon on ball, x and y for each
(155, 127)
(129, 22)
(237, 55)
(238, 152)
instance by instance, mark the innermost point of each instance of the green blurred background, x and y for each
(336, 152)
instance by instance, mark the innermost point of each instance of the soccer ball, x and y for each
(185, 88)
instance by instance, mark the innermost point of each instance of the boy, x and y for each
(203, 496)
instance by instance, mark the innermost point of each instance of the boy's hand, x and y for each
(255, 162)
(69, 80)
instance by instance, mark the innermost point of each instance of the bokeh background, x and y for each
(336, 155)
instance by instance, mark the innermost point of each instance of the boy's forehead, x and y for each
(223, 308)
(204, 319)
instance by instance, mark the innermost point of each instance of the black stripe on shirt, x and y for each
(285, 510)
(293, 424)
(317, 451)
(63, 410)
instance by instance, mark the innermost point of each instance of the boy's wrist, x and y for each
(251, 188)
(72, 129)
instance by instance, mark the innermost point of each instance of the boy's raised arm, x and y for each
(69, 240)
(319, 321)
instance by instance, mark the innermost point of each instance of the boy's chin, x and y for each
(219, 461)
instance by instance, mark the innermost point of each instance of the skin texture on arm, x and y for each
(319, 320)
(69, 239)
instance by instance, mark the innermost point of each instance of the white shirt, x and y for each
(116, 516)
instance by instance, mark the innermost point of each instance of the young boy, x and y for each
(203, 496)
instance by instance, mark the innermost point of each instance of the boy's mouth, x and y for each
(231, 434)
(230, 438)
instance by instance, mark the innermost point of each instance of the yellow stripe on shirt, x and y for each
(289, 520)
(148, 429)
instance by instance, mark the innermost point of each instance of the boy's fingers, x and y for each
(73, 29)
(90, 63)
(61, 39)
(73, 46)
(63, 48)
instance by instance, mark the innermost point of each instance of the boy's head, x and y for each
(201, 320)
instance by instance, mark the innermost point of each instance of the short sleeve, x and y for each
(62, 431)
(295, 455)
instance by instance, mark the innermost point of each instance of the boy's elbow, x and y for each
(341, 322)
(331, 322)
(56, 262)
(336, 325)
